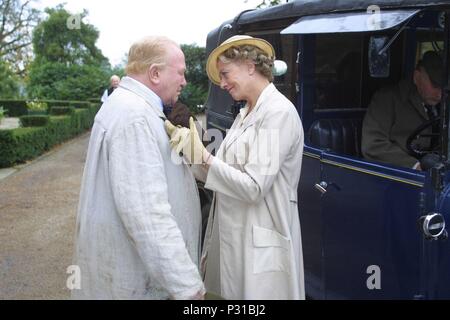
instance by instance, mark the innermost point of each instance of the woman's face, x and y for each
(234, 77)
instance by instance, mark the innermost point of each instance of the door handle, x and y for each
(433, 226)
(322, 187)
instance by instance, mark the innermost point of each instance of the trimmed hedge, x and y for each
(95, 100)
(75, 104)
(34, 121)
(58, 111)
(22, 144)
(17, 108)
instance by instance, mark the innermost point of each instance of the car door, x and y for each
(371, 241)
(359, 219)
(310, 211)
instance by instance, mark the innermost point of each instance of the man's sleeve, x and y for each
(141, 195)
(376, 143)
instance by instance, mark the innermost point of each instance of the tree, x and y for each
(64, 37)
(196, 91)
(9, 87)
(60, 81)
(16, 22)
(67, 64)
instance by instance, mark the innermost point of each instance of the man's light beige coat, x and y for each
(138, 226)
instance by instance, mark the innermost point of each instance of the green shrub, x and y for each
(75, 104)
(22, 144)
(79, 104)
(59, 111)
(34, 121)
(2, 113)
(95, 100)
(37, 107)
(15, 108)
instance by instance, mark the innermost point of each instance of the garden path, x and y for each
(38, 203)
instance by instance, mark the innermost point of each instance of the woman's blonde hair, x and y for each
(146, 52)
(263, 63)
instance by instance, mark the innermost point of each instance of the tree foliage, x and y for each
(17, 19)
(9, 87)
(60, 81)
(65, 38)
(196, 91)
(67, 65)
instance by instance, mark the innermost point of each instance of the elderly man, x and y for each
(394, 113)
(114, 83)
(139, 218)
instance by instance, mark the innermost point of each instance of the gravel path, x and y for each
(37, 213)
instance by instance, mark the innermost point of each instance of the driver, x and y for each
(395, 112)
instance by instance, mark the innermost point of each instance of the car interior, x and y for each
(344, 76)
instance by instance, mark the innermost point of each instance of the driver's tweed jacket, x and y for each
(393, 114)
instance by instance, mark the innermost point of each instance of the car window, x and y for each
(285, 49)
(338, 67)
(428, 41)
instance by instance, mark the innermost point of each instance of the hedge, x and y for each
(95, 100)
(58, 111)
(17, 108)
(34, 121)
(22, 144)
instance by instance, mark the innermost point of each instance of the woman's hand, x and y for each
(187, 142)
(178, 135)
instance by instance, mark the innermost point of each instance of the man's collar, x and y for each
(143, 91)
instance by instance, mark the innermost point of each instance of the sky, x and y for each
(122, 22)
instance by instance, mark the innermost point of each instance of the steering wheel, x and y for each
(416, 150)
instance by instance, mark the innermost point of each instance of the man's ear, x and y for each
(153, 74)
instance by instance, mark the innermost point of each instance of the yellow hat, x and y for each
(239, 40)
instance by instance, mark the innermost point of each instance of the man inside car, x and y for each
(395, 112)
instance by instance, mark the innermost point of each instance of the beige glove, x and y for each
(178, 135)
(187, 142)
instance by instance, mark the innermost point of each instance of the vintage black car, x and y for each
(370, 230)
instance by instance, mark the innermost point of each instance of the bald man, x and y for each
(114, 83)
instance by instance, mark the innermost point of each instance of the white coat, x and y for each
(139, 218)
(253, 244)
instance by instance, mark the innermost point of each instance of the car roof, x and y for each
(301, 8)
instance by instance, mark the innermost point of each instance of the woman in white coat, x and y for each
(252, 246)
